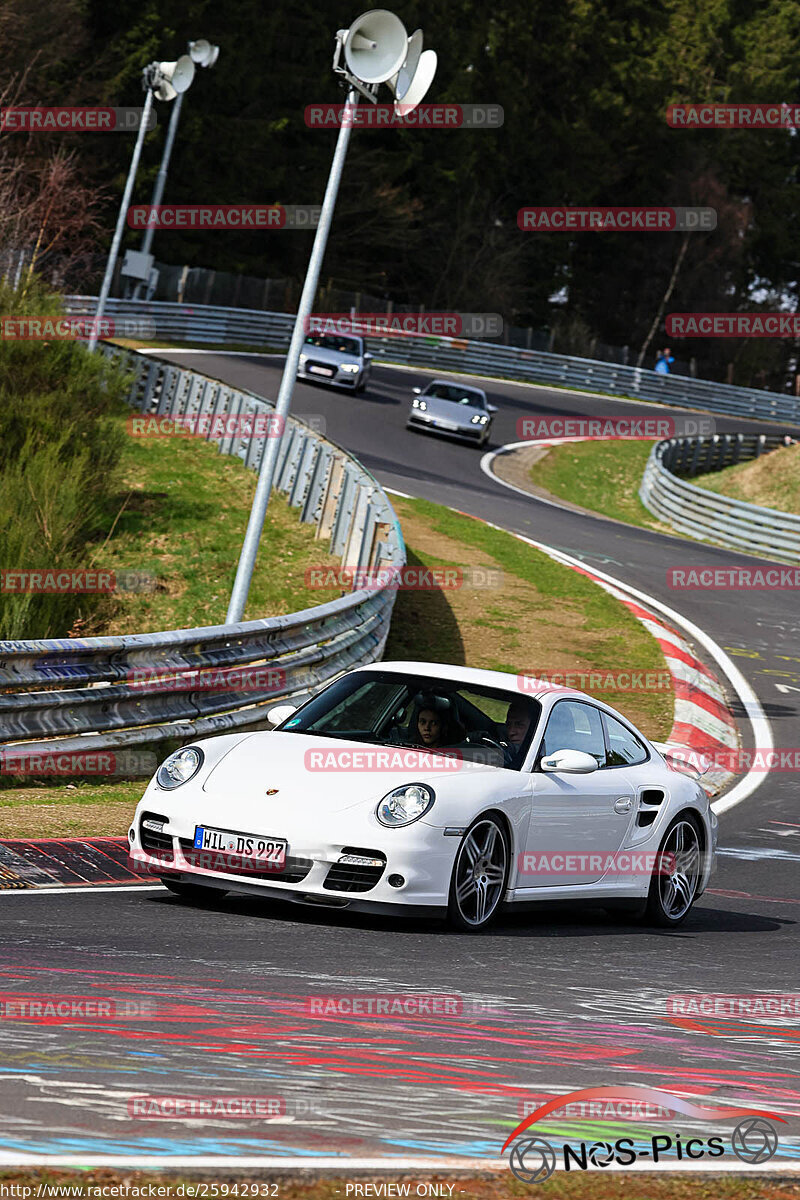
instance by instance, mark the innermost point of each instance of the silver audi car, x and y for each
(452, 408)
(340, 360)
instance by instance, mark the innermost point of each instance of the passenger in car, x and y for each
(432, 724)
(429, 727)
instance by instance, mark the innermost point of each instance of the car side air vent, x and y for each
(652, 796)
(644, 819)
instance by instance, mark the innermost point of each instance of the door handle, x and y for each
(623, 804)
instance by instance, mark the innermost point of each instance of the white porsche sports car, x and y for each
(432, 790)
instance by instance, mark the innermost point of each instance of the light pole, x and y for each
(377, 50)
(165, 81)
(203, 54)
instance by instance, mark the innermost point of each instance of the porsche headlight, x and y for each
(405, 804)
(478, 419)
(179, 768)
(417, 403)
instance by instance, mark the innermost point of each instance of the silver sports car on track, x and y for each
(450, 408)
(432, 790)
(340, 360)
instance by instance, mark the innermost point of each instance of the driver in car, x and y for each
(518, 724)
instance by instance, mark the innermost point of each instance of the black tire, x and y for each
(192, 891)
(673, 892)
(483, 859)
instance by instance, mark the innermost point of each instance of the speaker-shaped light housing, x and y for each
(376, 46)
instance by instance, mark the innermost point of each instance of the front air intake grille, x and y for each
(294, 870)
(153, 841)
(353, 877)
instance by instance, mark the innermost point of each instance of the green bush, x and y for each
(59, 453)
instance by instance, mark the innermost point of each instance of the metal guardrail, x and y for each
(710, 516)
(105, 692)
(198, 324)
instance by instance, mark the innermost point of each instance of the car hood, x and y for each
(320, 773)
(449, 410)
(334, 358)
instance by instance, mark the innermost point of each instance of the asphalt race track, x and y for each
(543, 1003)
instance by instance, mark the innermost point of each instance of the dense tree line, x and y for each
(430, 216)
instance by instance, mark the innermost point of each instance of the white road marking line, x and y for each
(190, 350)
(762, 730)
(68, 891)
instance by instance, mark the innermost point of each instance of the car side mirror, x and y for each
(280, 713)
(569, 762)
(416, 391)
(492, 408)
(367, 356)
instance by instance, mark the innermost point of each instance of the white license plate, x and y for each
(248, 845)
(446, 425)
(320, 371)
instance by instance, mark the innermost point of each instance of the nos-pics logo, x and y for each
(533, 1159)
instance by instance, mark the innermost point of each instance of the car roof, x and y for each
(479, 676)
(468, 387)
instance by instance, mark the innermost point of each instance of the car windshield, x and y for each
(456, 394)
(481, 724)
(326, 341)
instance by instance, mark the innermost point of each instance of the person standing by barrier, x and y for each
(664, 361)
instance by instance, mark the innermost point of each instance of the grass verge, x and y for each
(604, 477)
(772, 481)
(536, 615)
(179, 519)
